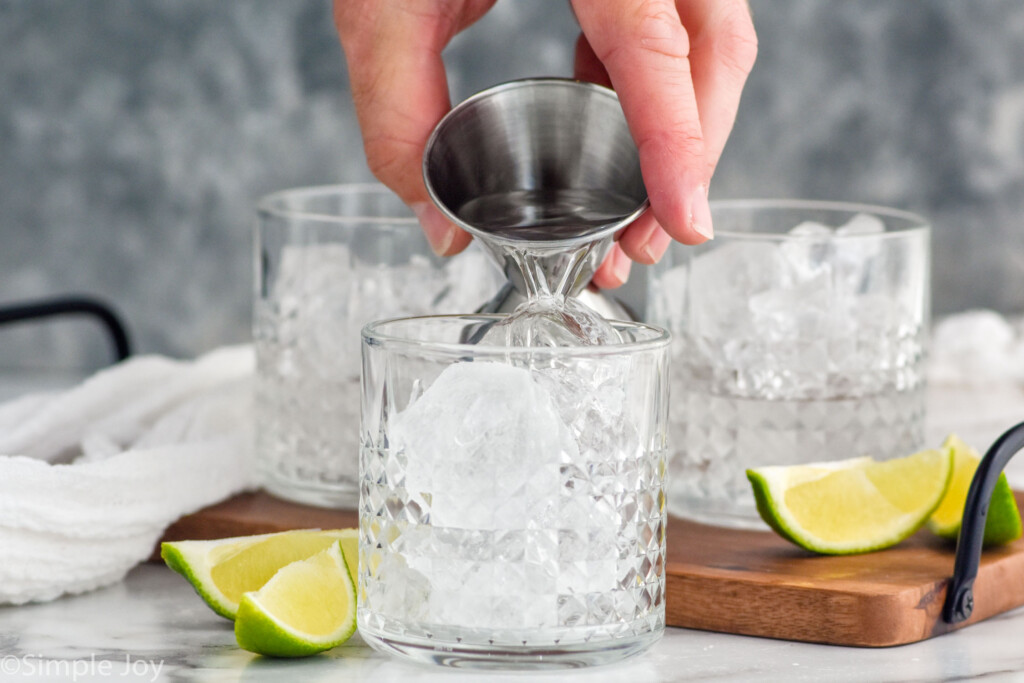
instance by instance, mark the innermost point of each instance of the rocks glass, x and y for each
(798, 336)
(511, 506)
(328, 260)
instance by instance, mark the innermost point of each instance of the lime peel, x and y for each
(222, 570)
(1002, 523)
(852, 506)
(307, 607)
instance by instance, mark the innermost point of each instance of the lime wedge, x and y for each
(1002, 524)
(222, 570)
(307, 607)
(852, 506)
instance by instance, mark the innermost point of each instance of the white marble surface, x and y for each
(155, 623)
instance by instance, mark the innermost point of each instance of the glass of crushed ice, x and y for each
(799, 336)
(328, 260)
(512, 505)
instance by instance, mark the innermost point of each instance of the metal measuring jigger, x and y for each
(538, 135)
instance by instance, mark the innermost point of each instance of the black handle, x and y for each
(73, 306)
(960, 598)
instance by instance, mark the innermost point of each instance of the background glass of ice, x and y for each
(329, 260)
(798, 336)
(512, 508)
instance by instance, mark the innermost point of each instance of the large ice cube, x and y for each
(483, 434)
(307, 329)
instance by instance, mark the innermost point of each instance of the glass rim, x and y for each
(372, 332)
(918, 224)
(266, 205)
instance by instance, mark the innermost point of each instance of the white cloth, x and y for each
(91, 477)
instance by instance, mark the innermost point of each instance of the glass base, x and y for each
(336, 496)
(495, 657)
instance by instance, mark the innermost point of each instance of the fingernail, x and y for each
(439, 232)
(621, 266)
(657, 245)
(700, 213)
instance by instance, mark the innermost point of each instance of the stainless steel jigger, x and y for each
(537, 135)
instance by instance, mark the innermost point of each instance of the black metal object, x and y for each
(74, 305)
(960, 596)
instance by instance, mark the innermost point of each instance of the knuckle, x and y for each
(738, 41)
(385, 167)
(387, 157)
(655, 20)
(683, 142)
(659, 30)
(651, 28)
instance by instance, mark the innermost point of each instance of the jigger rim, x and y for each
(517, 84)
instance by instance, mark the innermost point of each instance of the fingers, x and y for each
(722, 50)
(645, 50)
(644, 240)
(393, 51)
(614, 270)
(723, 47)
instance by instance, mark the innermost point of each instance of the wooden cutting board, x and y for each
(746, 582)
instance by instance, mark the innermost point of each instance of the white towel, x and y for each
(91, 477)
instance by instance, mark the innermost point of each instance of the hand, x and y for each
(678, 67)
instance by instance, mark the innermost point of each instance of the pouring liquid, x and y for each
(545, 234)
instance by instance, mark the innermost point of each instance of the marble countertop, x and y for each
(153, 627)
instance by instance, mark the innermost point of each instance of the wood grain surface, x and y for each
(747, 582)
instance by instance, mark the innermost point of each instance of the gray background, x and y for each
(135, 136)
